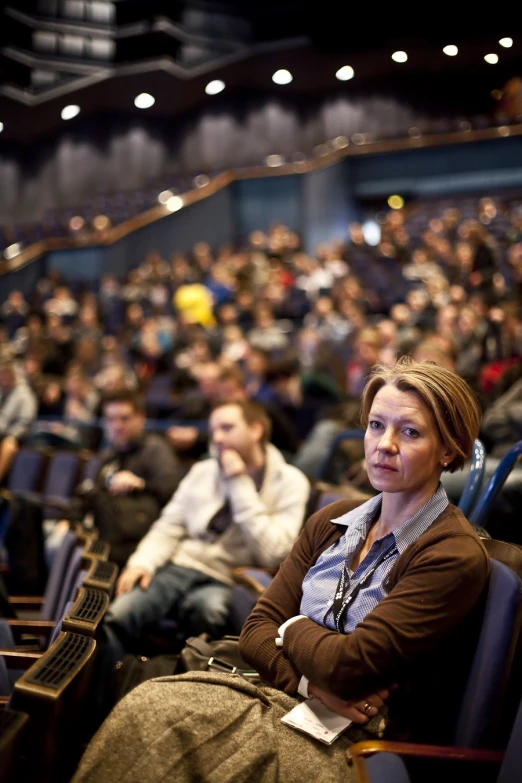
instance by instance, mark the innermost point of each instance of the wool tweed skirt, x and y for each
(212, 727)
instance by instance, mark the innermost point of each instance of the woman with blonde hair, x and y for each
(375, 612)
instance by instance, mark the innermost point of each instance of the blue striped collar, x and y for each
(362, 517)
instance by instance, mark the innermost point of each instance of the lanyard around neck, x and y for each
(342, 602)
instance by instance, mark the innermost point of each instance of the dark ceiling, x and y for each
(100, 54)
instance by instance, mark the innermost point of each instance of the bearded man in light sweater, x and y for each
(243, 506)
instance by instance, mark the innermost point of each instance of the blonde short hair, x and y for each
(455, 408)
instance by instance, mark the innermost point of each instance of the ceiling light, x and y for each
(76, 223)
(345, 73)
(396, 202)
(451, 50)
(13, 250)
(164, 196)
(492, 59)
(274, 160)
(214, 87)
(282, 76)
(507, 43)
(340, 142)
(68, 112)
(101, 222)
(1, 127)
(201, 181)
(144, 101)
(174, 203)
(399, 57)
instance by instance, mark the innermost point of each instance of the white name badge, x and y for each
(312, 717)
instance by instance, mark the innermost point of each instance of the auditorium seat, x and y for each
(13, 727)
(23, 478)
(478, 722)
(480, 514)
(54, 693)
(453, 763)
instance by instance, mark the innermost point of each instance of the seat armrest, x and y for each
(412, 750)
(26, 601)
(17, 659)
(34, 627)
(247, 578)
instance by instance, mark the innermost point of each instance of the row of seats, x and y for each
(46, 663)
(49, 477)
(488, 720)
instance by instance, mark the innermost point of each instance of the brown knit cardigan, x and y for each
(421, 636)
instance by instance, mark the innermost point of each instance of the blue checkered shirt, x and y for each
(320, 583)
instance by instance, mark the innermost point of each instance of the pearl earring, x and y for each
(444, 464)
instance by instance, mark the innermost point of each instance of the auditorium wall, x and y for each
(319, 204)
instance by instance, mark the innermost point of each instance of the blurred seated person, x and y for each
(62, 303)
(137, 477)
(17, 412)
(255, 364)
(234, 347)
(59, 345)
(193, 304)
(77, 405)
(30, 336)
(267, 334)
(187, 439)
(14, 312)
(302, 396)
(231, 386)
(242, 506)
(88, 325)
(367, 345)
(377, 609)
(329, 325)
(421, 268)
(150, 347)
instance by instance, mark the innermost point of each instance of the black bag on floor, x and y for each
(199, 654)
(24, 542)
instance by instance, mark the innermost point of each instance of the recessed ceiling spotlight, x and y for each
(399, 57)
(282, 76)
(214, 87)
(68, 112)
(1, 127)
(345, 73)
(451, 50)
(144, 100)
(507, 43)
(174, 203)
(492, 59)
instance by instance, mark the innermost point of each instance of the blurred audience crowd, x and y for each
(267, 321)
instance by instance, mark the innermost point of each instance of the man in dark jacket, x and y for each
(138, 476)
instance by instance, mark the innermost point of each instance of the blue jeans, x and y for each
(197, 602)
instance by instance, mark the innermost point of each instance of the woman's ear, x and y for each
(447, 458)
